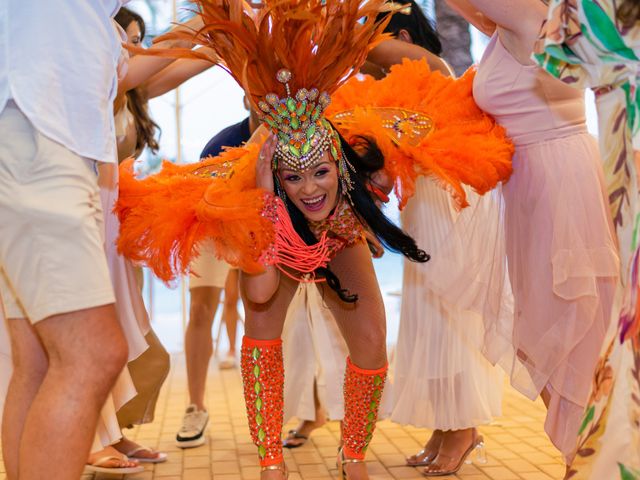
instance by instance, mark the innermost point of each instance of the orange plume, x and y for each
(463, 146)
(322, 42)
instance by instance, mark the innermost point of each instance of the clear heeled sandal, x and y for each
(475, 453)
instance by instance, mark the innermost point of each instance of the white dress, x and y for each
(313, 349)
(129, 303)
(441, 380)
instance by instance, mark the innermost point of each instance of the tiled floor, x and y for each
(517, 448)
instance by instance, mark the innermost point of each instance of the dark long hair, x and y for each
(365, 163)
(416, 23)
(629, 12)
(137, 103)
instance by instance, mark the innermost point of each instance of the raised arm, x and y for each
(473, 16)
(142, 67)
(391, 52)
(261, 287)
(175, 75)
(519, 16)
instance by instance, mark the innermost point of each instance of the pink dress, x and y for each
(561, 253)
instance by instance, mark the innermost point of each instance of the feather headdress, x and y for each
(289, 56)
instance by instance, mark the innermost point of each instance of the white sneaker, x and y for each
(191, 433)
(228, 363)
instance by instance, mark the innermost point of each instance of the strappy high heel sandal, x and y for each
(342, 462)
(280, 466)
(476, 448)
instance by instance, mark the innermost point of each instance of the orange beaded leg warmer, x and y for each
(362, 394)
(263, 379)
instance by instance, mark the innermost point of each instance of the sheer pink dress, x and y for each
(561, 254)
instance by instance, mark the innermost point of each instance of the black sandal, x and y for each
(294, 435)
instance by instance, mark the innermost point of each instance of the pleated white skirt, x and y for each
(441, 380)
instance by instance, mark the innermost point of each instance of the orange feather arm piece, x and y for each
(166, 216)
(462, 145)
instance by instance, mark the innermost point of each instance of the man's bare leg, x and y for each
(198, 343)
(230, 310)
(86, 351)
(29, 369)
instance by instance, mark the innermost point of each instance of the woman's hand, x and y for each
(264, 174)
(375, 247)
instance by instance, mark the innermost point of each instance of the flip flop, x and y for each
(162, 457)
(96, 467)
(294, 435)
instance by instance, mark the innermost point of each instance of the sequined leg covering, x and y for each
(263, 379)
(362, 394)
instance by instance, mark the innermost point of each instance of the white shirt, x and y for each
(58, 63)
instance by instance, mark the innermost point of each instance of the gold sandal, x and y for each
(280, 466)
(342, 460)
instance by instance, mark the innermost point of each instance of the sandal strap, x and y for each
(139, 449)
(296, 434)
(103, 460)
(279, 466)
(438, 468)
(344, 460)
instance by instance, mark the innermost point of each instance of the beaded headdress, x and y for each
(303, 133)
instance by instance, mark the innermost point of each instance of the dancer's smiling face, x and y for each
(315, 191)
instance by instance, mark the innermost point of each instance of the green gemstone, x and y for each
(334, 152)
(371, 417)
(305, 148)
(295, 123)
(377, 380)
(315, 114)
(255, 353)
(256, 371)
(259, 419)
(377, 394)
(373, 406)
(294, 151)
(282, 110)
(301, 108)
(271, 123)
(259, 404)
(257, 387)
(262, 451)
(291, 104)
(311, 131)
(368, 438)
(261, 435)
(369, 427)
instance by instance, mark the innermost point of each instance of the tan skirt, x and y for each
(148, 373)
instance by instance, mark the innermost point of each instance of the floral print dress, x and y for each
(585, 45)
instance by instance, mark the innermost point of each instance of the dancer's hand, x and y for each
(264, 175)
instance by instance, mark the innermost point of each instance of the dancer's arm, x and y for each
(261, 287)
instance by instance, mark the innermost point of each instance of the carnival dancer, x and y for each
(300, 210)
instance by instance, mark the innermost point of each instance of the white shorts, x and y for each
(52, 258)
(207, 271)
